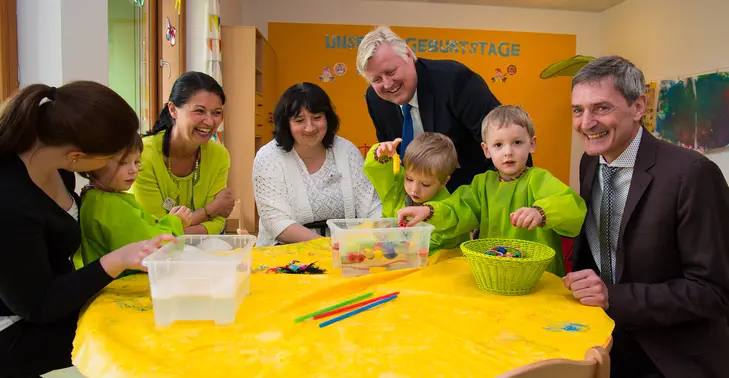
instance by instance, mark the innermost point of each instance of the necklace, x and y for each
(195, 176)
(515, 177)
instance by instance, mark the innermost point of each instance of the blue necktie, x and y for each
(407, 128)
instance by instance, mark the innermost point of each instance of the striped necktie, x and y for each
(607, 223)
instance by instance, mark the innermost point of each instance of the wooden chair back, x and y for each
(595, 365)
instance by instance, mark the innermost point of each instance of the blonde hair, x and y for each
(431, 153)
(374, 39)
(505, 115)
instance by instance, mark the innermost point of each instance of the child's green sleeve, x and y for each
(564, 209)
(380, 173)
(458, 214)
(121, 224)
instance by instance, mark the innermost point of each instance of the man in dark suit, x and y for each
(654, 249)
(410, 95)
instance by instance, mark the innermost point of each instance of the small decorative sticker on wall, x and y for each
(326, 75)
(340, 69)
(170, 33)
(499, 76)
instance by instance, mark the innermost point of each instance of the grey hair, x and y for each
(376, 38)
(628, 79)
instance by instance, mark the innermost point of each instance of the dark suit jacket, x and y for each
(672, 260)
(453, 100)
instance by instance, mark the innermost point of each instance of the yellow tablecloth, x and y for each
(440, 325)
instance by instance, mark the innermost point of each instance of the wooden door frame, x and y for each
(153, 63)
(157, 98)
(9, 49)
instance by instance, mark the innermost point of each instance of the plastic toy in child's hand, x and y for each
(388, 148)
(395, 163)
(504, 251)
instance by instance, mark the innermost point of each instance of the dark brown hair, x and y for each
(83, 114)
(303, 96)
(186, 86)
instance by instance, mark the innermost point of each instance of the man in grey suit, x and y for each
(654, 249)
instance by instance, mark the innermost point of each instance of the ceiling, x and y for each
(571, 5)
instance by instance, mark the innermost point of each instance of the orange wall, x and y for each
(302, 55)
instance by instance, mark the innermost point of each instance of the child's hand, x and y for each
(526, 217)
(387, 148)
(184, 214)
(416, 214)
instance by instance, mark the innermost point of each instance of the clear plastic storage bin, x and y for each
(201, 277)
(362, 246)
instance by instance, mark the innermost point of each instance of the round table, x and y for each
(441, 324)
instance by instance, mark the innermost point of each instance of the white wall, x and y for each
(669, 38)
(55, 45)
(61, 41)
(586, 26)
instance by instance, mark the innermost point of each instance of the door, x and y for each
(171, 45)
(8, 49)
(133, 56)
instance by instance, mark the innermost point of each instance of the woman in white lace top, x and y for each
(308, 173)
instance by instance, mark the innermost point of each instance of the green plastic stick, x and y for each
(334, 307)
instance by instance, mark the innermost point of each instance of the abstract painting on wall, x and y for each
(712, 111)
(649, 119)
(693, 112)
(676, 112)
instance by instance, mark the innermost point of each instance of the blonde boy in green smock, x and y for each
(112, 218)
(515, 202)
(429, 161)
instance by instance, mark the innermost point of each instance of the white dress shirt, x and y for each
(415, 114)
(625, 162)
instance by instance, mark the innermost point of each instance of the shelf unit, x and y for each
(249, 81)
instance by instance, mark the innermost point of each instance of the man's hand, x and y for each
(587, 287)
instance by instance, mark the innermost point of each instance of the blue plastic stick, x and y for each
(357, 311)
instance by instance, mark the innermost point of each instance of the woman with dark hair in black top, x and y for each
(47, 133)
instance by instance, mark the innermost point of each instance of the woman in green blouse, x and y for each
(182, 166)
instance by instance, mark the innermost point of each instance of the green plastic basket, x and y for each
(507, 276)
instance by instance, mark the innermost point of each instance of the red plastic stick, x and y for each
(359, 304)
